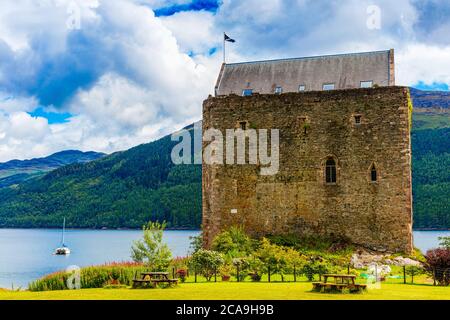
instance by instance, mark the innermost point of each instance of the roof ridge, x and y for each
(310, 57)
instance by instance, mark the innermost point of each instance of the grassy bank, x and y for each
(233, 290)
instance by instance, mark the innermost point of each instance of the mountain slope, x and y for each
(16, 171)
(430, 99)
(124, 189)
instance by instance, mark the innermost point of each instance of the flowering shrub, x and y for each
(182, 273)
(206, 262)
(116, 273)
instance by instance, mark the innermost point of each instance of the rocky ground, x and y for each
(364, 259)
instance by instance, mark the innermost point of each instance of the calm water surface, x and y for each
(26, 254)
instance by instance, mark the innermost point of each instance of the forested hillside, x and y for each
(431, 178)
(124, 189)
(431, 159)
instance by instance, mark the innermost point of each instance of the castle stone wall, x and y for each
(297, 200)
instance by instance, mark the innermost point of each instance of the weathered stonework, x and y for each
(376, 215)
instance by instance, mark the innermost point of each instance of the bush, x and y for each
(233, 242)
(226, 270)
(438, 264)
(182, 274)
(256, 268)
(206, 262)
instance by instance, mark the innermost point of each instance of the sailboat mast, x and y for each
(64, 228)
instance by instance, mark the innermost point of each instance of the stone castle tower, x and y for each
(344, 151)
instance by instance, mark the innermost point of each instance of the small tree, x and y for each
(206, 262)
(280, 259)
(242, 265)
(413, 271)
(444, 242)
(314, 267)
(438, 265)
(151, 250)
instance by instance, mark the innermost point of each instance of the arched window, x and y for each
(373, 173)
(330, 171)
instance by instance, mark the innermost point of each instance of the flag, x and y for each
(227, 38)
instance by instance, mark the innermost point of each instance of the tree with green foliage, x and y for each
(444, 242)
(414, 271)
(280, 260)
(313, 267)
(196, 242)
(151, 250)
(206, 262)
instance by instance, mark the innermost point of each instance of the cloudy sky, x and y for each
(106, 75)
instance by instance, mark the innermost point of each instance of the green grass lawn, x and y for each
(234, 290)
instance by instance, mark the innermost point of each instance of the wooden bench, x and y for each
(152, 279)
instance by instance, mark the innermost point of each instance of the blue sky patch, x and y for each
(435, 86)
(194, 5)
(52, 117)
(212, 51)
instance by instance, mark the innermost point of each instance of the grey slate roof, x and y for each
(344, 70)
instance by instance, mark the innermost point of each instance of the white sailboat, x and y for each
(63, 250)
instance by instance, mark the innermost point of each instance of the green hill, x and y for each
(128, 188)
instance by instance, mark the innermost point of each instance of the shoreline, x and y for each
(94, 229)
(166, 229)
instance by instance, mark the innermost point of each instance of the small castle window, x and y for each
(366, 84)
(243, 125)
(373, 174)
(330, 171)
(247, 92)
(328, 86)
(278, 90)
(357, 119)
(301, 87)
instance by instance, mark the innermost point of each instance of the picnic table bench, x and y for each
(151, 279)
(341, 282)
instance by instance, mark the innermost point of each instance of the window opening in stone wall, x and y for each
(373, 174)
(330, 171)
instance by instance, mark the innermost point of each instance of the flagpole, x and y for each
(224, 47)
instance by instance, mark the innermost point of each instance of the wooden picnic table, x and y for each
(340, 278)
(151, 279)
(341, 282)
